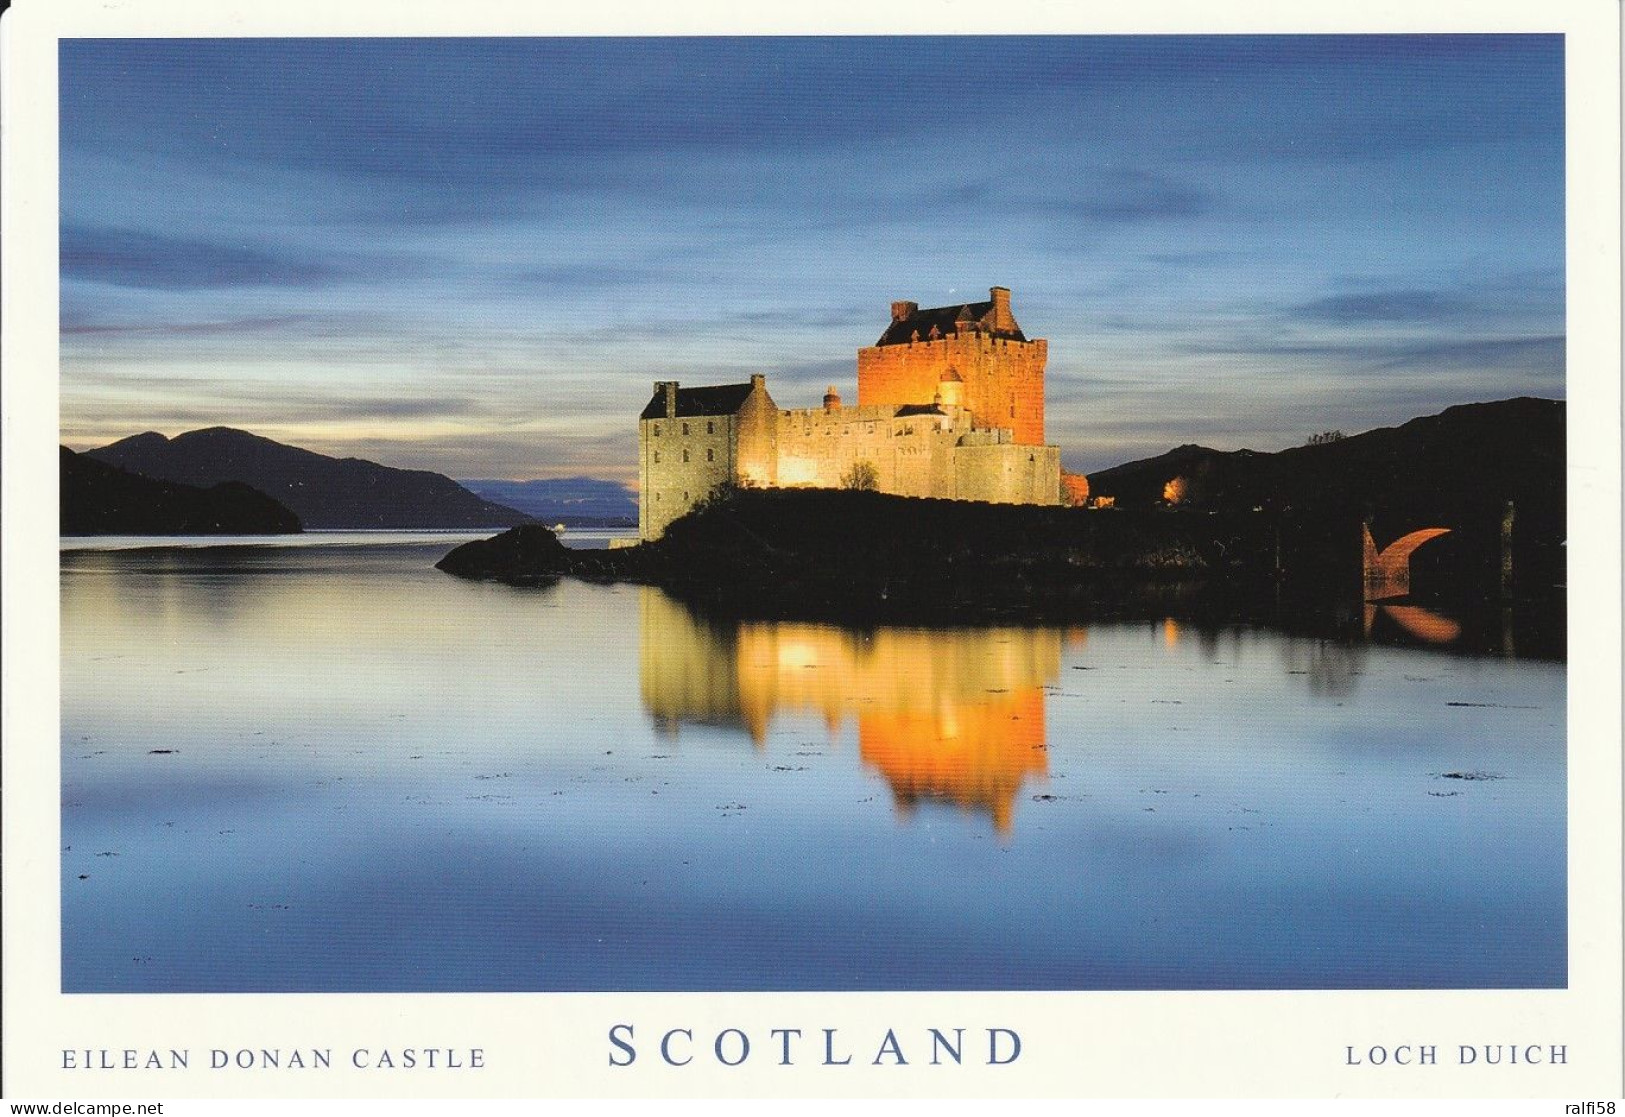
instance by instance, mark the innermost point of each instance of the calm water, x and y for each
(327, 766)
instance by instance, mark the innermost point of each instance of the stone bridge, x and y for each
(1388, 571)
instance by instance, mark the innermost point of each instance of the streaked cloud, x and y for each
(1383, 306)
(126, 257)
(1139, 195)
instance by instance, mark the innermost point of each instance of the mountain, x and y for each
(100, 499)
(1473, 455)
(1493, 473)
(578, 501)
(325, 492)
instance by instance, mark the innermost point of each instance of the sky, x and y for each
(476, 255)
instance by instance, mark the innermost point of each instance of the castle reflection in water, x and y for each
(942, 715)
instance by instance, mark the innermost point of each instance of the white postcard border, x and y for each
(1253, 1044)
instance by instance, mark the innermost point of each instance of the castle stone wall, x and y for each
(912, 454)
(1003, 379)
(680, 460)
(1008, 473)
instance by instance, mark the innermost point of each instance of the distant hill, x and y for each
(324, 492)
(100, 499)
(1458, 469)
(1472, 455)
(578, 501)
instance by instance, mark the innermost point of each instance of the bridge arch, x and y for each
(1388, 572)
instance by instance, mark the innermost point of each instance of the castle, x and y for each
(950, 405)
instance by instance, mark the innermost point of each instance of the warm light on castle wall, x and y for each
(797, 471)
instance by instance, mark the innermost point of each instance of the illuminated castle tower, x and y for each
(980, 345)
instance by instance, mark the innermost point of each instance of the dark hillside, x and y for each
(99, 499)
(325, 492)
(1457, 469)
(1472, 455)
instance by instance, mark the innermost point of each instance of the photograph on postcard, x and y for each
(780, 514)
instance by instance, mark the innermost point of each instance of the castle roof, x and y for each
(718, 399)
(946, 320)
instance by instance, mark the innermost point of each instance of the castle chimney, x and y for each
(757, 380)
(903, 310)
(1002, 318)
(832, 399)
(669, 389)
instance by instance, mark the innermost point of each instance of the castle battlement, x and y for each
(956, 413)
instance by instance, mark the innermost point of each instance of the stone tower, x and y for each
(980, 345)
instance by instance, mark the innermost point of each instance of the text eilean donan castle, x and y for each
(950, 405)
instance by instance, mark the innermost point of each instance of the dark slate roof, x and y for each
(719, 399)
(944, 318)
(919, 409)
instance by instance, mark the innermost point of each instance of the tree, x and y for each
(721, 493)
(1323, 437)
(862, 476)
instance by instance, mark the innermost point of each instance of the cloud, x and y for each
(496, 454)
(1383, 306)
(268, 323)
(1129, 196)
(1544, 353)
(587, 276)
(174, 400)
(1196, 258)
(127, 258)
(324, 408)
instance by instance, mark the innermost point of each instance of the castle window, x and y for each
(710, 428)
(685, 455)
(685, 494)
(657, 430)
(710, 456)
(657, 457)
(685, 428)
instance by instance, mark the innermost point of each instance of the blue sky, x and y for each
(475, 255)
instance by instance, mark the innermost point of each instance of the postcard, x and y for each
(647, 554)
